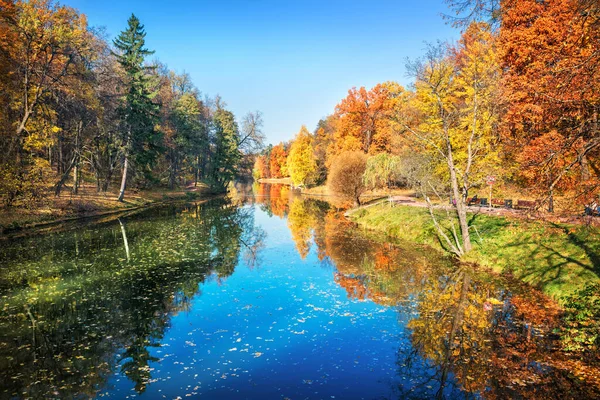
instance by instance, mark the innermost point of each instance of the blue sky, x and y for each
(292, 60)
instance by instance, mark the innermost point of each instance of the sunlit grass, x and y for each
(557, 258)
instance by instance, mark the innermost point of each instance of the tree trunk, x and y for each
(76, 178)
(585, 169)
(123, 180)
(461, 207)
(196, 171)
(63, 179)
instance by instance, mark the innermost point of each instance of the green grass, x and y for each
(558, 259)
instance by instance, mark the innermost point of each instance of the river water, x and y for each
(264, 296)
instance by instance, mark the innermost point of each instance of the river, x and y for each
(266, 296)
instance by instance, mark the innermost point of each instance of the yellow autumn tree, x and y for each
(452, 118)
(301, 162)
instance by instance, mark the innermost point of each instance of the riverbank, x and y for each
(88, 203)
(283, 181)
(557, 258)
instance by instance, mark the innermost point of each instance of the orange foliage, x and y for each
(364, 120)
(552, 78)
(279, 202)
(277, 160)
(355, 287)
(261, 168)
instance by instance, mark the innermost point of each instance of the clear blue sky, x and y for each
(292, 60)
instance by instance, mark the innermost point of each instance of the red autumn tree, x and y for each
(552, 82)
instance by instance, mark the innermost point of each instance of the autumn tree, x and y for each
(455, 104)
(364, 120)
(323, 138)
(50, 44)
(301, 160)
(550, 59)
(260, 169)
(346, 175)
(8, 39)
(278, 161)
(46, 51)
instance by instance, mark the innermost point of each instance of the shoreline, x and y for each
(16, 230)
(556, 258)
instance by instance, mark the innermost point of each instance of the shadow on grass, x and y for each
(559, 263)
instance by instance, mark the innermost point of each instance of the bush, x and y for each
(346, 175)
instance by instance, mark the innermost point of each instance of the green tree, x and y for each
(226, 154)
(138, 111)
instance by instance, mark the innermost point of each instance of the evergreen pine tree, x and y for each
(138, 112)
(226, 155)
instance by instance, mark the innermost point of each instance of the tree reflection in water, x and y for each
(79, 305)
(472, 333)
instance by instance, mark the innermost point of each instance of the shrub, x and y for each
(346, 175)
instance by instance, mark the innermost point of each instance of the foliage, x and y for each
(582, 318)
(260, 169)
(363, 120)
(346, 175)
(27, 189)
(551, 80)
(382, 171)
(227, 154)
(91, 108)
(301, 161)
(278, 162)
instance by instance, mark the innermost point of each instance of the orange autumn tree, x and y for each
(551, 69)
(260, 169)
(364, 120)
(278, 162)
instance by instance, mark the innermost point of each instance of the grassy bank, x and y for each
(559, 259)
(88, 203)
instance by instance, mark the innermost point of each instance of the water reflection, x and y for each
(473, 334)
(78, 306)
(82, 309)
